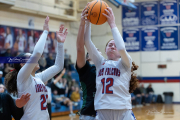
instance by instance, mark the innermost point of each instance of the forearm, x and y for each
(27, 69)
(80, 38)
(118, 39)
(126, 59)
(57, 67)
(58, 78)
(92, 50)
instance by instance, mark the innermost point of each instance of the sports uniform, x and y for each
(36, 108)
(87, 75)
(112, 99)
(31, 44)
(21, 43)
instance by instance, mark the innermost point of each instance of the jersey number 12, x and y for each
(106, 86)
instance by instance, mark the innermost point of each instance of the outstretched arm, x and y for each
(59, 77)
(126, 59)
(81, 60)
(27, 69)
(92, 50)
(59, 62)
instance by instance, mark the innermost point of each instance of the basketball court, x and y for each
(152, 112)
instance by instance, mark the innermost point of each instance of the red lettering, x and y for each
(102, 71)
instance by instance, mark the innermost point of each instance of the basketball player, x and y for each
(9, 39)
(24, 80)
(21, 41)
(31, 41)
(112, 99)
(87, 75)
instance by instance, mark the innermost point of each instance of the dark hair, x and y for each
(11, 77)
(134, 81)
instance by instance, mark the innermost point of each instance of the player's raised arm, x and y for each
(80, 41)
(126, 59)
(59, 77)
(59, 62)
(28, 67)
(92, 50)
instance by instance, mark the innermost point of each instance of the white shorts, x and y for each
(85, 117)
(115, 115)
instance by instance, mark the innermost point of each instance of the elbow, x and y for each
(60, 68)
(80, 49)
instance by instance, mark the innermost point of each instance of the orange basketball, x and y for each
(95, 10)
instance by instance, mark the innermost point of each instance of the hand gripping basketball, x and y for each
(95, 10)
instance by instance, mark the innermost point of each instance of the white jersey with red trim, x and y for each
(112, 86)
(36, 108)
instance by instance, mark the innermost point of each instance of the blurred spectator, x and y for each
(20, 41)
(2, 88)
(150, 92)
(49, 60)
(8, 40)
(31, 42)
(143, 94)
(137, 94)
(70, 64)
(66, 59)
(72, 87)
(133, 99)
(42, 63)
(74, 83)
(69, 83)
(7, 69)
(75, 96)
(8, 53)
(63, 101)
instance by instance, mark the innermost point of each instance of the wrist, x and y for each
(112, 25)
(82, 23)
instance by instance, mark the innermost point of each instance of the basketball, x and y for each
(95, 10)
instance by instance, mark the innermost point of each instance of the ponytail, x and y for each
(11, 82)
(134, 81)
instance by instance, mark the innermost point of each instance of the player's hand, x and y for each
(46, 26)
(110, 17)
(60, 35)
(20, 102)
(84, 14)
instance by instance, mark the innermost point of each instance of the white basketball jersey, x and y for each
(36, 108)
(21, 43)
(48, 41)
(31, 44)
(112, 86)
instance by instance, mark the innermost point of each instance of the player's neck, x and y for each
(33, 73)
